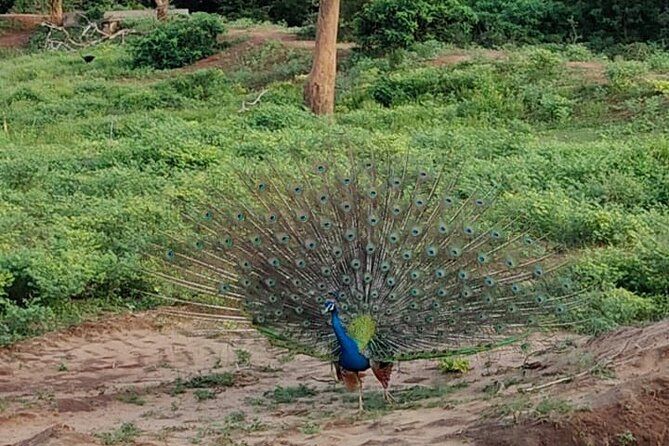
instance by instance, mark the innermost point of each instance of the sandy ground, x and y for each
(70, 388)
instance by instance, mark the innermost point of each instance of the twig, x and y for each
(566, 378)
(245, 105)
(70, 43)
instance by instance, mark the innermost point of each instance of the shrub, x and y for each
(180, 41)
(5, 6)
(391, 24)
(454, 364)
(518, 21)
(622, 74)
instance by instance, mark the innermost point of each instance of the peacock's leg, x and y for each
(388, 397)
(360, 408)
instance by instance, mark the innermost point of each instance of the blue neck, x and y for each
(350, 357)
(347, 344)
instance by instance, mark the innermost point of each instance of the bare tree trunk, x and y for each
(161, 9)
(56, 12)
(319, 92)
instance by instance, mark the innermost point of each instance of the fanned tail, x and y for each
(408, 246)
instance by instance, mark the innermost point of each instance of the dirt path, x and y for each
(15, 39)
(174, 383)
(244, 40)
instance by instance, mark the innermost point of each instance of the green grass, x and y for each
(287, 395)
(125, 433)
(410, 397)
(454, 364)
(93, 156)
(202, 382)
(204, 394)
(130, 396)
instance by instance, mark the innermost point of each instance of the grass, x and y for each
(454, 364)
(224, 379)
(233, 425)
(242, 357)
(626, 438)
(131, 396)
(125, 433)
(204, 394)
(94, 154)
(549, 406)
(288, 395)
(202, 383)
(407, 398)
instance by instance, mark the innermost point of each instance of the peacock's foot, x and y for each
(388, 397)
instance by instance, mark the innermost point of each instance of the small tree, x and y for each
(319, 92)
(56, 12)
(161, 9)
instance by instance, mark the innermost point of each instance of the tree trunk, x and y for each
(319, 92)
(161, 9)
(56, 12)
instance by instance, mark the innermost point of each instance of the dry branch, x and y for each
(247, 105)
(70, 42)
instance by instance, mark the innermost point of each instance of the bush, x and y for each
(391, 24)
(519, 21)
(5, 6)
(454, 364)
(180, 41)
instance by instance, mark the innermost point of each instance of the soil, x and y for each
(21, 27)
(15, 39)
(64, 388)
(242, 41)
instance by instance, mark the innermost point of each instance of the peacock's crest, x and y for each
(419, 265)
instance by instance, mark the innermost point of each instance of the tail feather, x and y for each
(414, 250)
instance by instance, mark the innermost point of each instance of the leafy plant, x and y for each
(243, 357)
(178, 42)
(125, 433)
(204, 394)
(454, 364)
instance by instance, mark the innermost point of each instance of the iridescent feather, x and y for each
(416, 264)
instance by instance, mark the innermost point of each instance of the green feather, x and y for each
(362, 329)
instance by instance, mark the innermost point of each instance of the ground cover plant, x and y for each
(93, 156)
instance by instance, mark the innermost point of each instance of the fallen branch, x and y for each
(565, 378)
(70, 43)
(247, 105)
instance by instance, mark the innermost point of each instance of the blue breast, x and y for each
(350, 357)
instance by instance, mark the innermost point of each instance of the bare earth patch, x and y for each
(244, 40)
(150, 380)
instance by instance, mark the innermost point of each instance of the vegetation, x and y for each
(95, 154)
(454, 364)
(603, 24)
(125, 433)
(178, 42)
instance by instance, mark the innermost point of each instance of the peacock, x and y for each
(365, 261)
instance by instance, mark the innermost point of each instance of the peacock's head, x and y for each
(329, 306)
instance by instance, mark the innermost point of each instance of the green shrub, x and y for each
(623, 74)
(178, 42)
(391, 24)
(519, 21)
(454, 364)
(18, 322)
